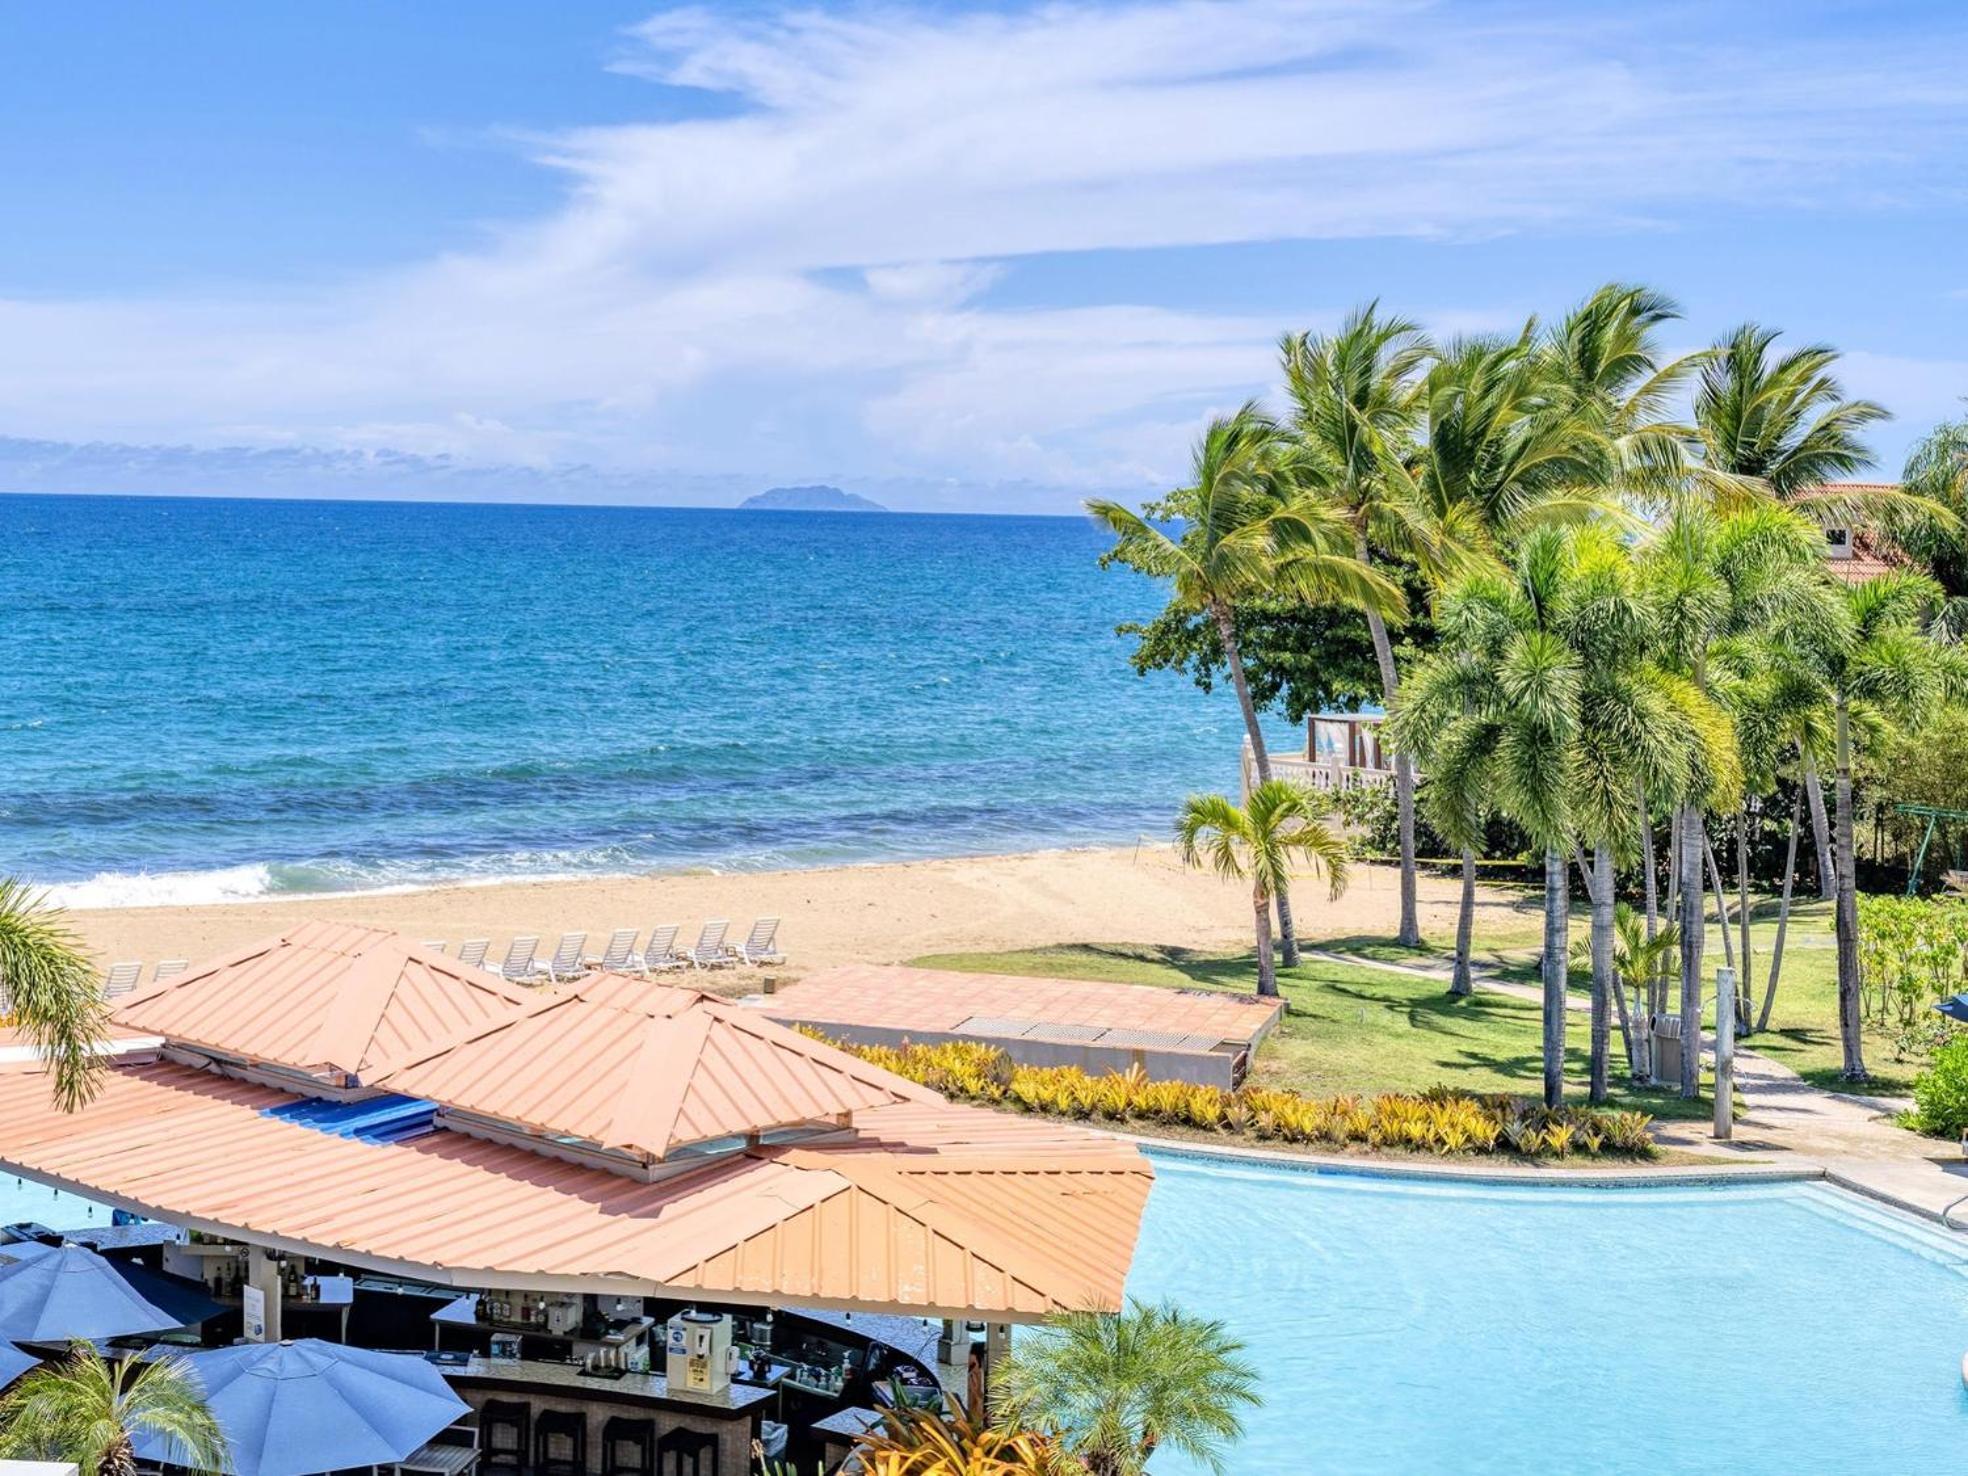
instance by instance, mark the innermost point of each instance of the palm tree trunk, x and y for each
(1557, 930)
(1693, 925)
(1673, 908)
(1640, 1043)
(1744, 984)
(1460, 982)
(1721, 902)
(1820, 829)
(1847, 911)
(1226, 631)
(1647, 867)
(1783, 909)
(1267, 968)
(1603, 983)
(1404, 778)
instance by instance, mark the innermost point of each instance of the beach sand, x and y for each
(845, 914)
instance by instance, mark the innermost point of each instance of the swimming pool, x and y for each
(23, 1199)
(1419, 1327)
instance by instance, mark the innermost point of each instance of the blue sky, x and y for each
(993, 257)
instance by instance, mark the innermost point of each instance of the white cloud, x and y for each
(804, 276)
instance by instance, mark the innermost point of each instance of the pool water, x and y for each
(23, 1199)
(1407, 1327)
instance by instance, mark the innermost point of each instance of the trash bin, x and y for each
(1667, 1048)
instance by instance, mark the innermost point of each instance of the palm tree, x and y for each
(1781, 422)
(1355, 397)
(88, 1410)
(1877, 657)
(1754, 570)
(911, 1441)
(1115, 1389)
(49, 989)
(1256, 842)
(1248, 536)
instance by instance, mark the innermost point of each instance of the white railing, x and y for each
(1327, 778)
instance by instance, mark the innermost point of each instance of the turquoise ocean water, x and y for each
(211, 699)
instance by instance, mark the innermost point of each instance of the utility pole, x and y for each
(1725, 1053)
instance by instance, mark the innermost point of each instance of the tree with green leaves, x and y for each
(1248, 534)
(1261, 842)
(1937, 471)
(1113, 1390)
(89, 1410)
(1355, 398)
(1875, 658)
(1712, 576)
(50, 991)
(1779, 423)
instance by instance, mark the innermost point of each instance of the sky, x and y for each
(980, 257)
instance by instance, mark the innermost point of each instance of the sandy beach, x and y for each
(876, 913)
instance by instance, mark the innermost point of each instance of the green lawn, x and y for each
(1361, 1029)
(1346, 1029)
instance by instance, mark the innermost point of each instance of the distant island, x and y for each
(811, 499)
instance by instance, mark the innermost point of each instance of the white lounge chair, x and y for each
(659, 955)
(759, 946)
(169, 968)
(711, 951)
(471, 952)
(435, 945)
(520, 964)
(618, 956)
(567, 962)
(122, 978)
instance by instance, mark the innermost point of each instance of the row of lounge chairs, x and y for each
(570, 959)
(522, 963)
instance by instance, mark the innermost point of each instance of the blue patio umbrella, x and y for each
(1955, 1007)
(53, 1293)
(291, 1409)
(14, 1363)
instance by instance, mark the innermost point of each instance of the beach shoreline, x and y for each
(869, 911)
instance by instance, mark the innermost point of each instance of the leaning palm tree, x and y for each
(49, 989)
(89, 1411)
(1248, 535)
(1115, 1389)
(1258, 842)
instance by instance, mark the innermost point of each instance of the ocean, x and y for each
(209, 700)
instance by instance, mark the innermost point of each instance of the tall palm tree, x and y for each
(1712, 576)
(1355, 398)
(1115, 1389)
(89, 1410)
(1876, 657)
(1258, 842)
(48, 988)
(1781, 422)
(1248, 534)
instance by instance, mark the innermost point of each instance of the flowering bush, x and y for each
(1439, 1121)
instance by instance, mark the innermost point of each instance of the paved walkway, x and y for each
(1784, 1119)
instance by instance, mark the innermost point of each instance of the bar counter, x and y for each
(731, 1416)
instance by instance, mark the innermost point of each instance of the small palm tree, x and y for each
(48, 988)
(1115, 1389)
(920, 1442)
(1256, 842)
(89, 1410)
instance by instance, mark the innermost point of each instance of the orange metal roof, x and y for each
(326, 997)
(897, 997)
(641, 1067)
(923, 1208)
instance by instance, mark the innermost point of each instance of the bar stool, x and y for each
(505, 1434)
(628, 1447)
(687, 1453)
(567, 1427)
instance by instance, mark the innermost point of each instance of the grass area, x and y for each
(1346, 1028)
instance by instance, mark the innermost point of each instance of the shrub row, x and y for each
(1437, 1121)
